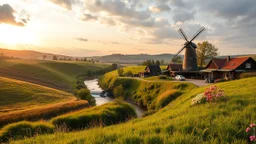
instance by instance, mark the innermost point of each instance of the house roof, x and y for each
(153, 68)
(175, 67)
(235, 63)
(216, 63)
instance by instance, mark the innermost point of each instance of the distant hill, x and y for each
(134, 58)
(28, 54)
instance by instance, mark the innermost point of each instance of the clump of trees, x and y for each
(204, 51)
(152, 62)
(85, 94)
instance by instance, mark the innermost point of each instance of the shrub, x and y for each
(129, 73)
(162, 77)
(120, 72)
(107, 114)
(85, 94)
(246, 75)
(24, 129)
(118, 91)
(166, 97)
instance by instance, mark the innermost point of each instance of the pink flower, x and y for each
(252, 125)
(247, 129)
(252, 138)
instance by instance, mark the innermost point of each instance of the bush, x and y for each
(85, 94)
(162, 77)
(120, 72)
(128, 73)
(104, 115)
(246, 75)
(24, 129)
(118, 91)
(166, 97)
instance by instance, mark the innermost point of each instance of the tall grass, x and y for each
(24, 129)
(179, 122)
(104, 115)
(45, 112)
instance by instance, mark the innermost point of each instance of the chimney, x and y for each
(228, 58)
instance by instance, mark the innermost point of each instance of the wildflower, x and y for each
(247, 129)
(252, 138)
(252, 125)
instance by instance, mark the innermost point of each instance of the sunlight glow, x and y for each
(13, 35)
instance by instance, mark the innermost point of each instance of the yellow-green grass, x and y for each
(24, 129)
(179, 122)
(56, 74)
(156, 78)
(18, 95)
(104, 115)
(133, 69)
(26, 101)
(143, 92)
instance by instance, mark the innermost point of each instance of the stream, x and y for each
(93, 86)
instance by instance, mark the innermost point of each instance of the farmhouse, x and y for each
(229, 68)
(151, 70)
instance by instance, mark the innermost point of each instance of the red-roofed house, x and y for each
(229, 68)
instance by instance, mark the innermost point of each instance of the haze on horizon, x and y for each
(100, 27)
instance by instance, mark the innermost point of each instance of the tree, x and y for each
(114, 66)
(129, 73)
(204, 51)
(157, 62)
(54, 57)
(85, 94)
(120, 72)
(1, 56)
(162, 61)
(44, 56)
(85, 59)
(118, 91)
(177, 59)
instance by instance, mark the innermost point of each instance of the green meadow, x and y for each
(178, 122)
(56, 74)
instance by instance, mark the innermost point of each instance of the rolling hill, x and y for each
(56, 74)
(179, 122)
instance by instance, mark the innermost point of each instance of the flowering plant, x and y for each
(212, 94)
(251, 131)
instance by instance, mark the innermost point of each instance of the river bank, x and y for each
(95, 90)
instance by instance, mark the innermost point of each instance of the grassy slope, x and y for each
(18, 95)
(142, 91)
(56, 74)
(222, 122)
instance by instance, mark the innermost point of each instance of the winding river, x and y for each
(93, 86)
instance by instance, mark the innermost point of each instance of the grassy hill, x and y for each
(56, 74)
(21, 100)
(19, 95)
(179, 122)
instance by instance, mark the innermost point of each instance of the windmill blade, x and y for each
(197, 33)
(182, 33)
(178, 52)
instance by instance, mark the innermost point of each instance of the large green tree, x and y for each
(204, 51)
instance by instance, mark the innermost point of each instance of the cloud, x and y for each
(88, 17)
(82, 39)
(67, 4)
(159, 8)
(7, 16)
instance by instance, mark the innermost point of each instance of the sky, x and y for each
(102, 27)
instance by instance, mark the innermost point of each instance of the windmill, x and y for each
(190, 57)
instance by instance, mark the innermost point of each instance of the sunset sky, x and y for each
(100, 27)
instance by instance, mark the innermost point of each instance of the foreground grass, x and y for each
(56, 74)
(179, 122)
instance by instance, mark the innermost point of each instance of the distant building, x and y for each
(229, 68)
(151, 70)
(172, 68)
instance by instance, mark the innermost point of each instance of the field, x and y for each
(21, 100)
(179, 122)
(56, 74)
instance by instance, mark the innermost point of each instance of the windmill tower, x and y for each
(190, 57)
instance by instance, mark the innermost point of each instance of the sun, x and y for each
(13, 35)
